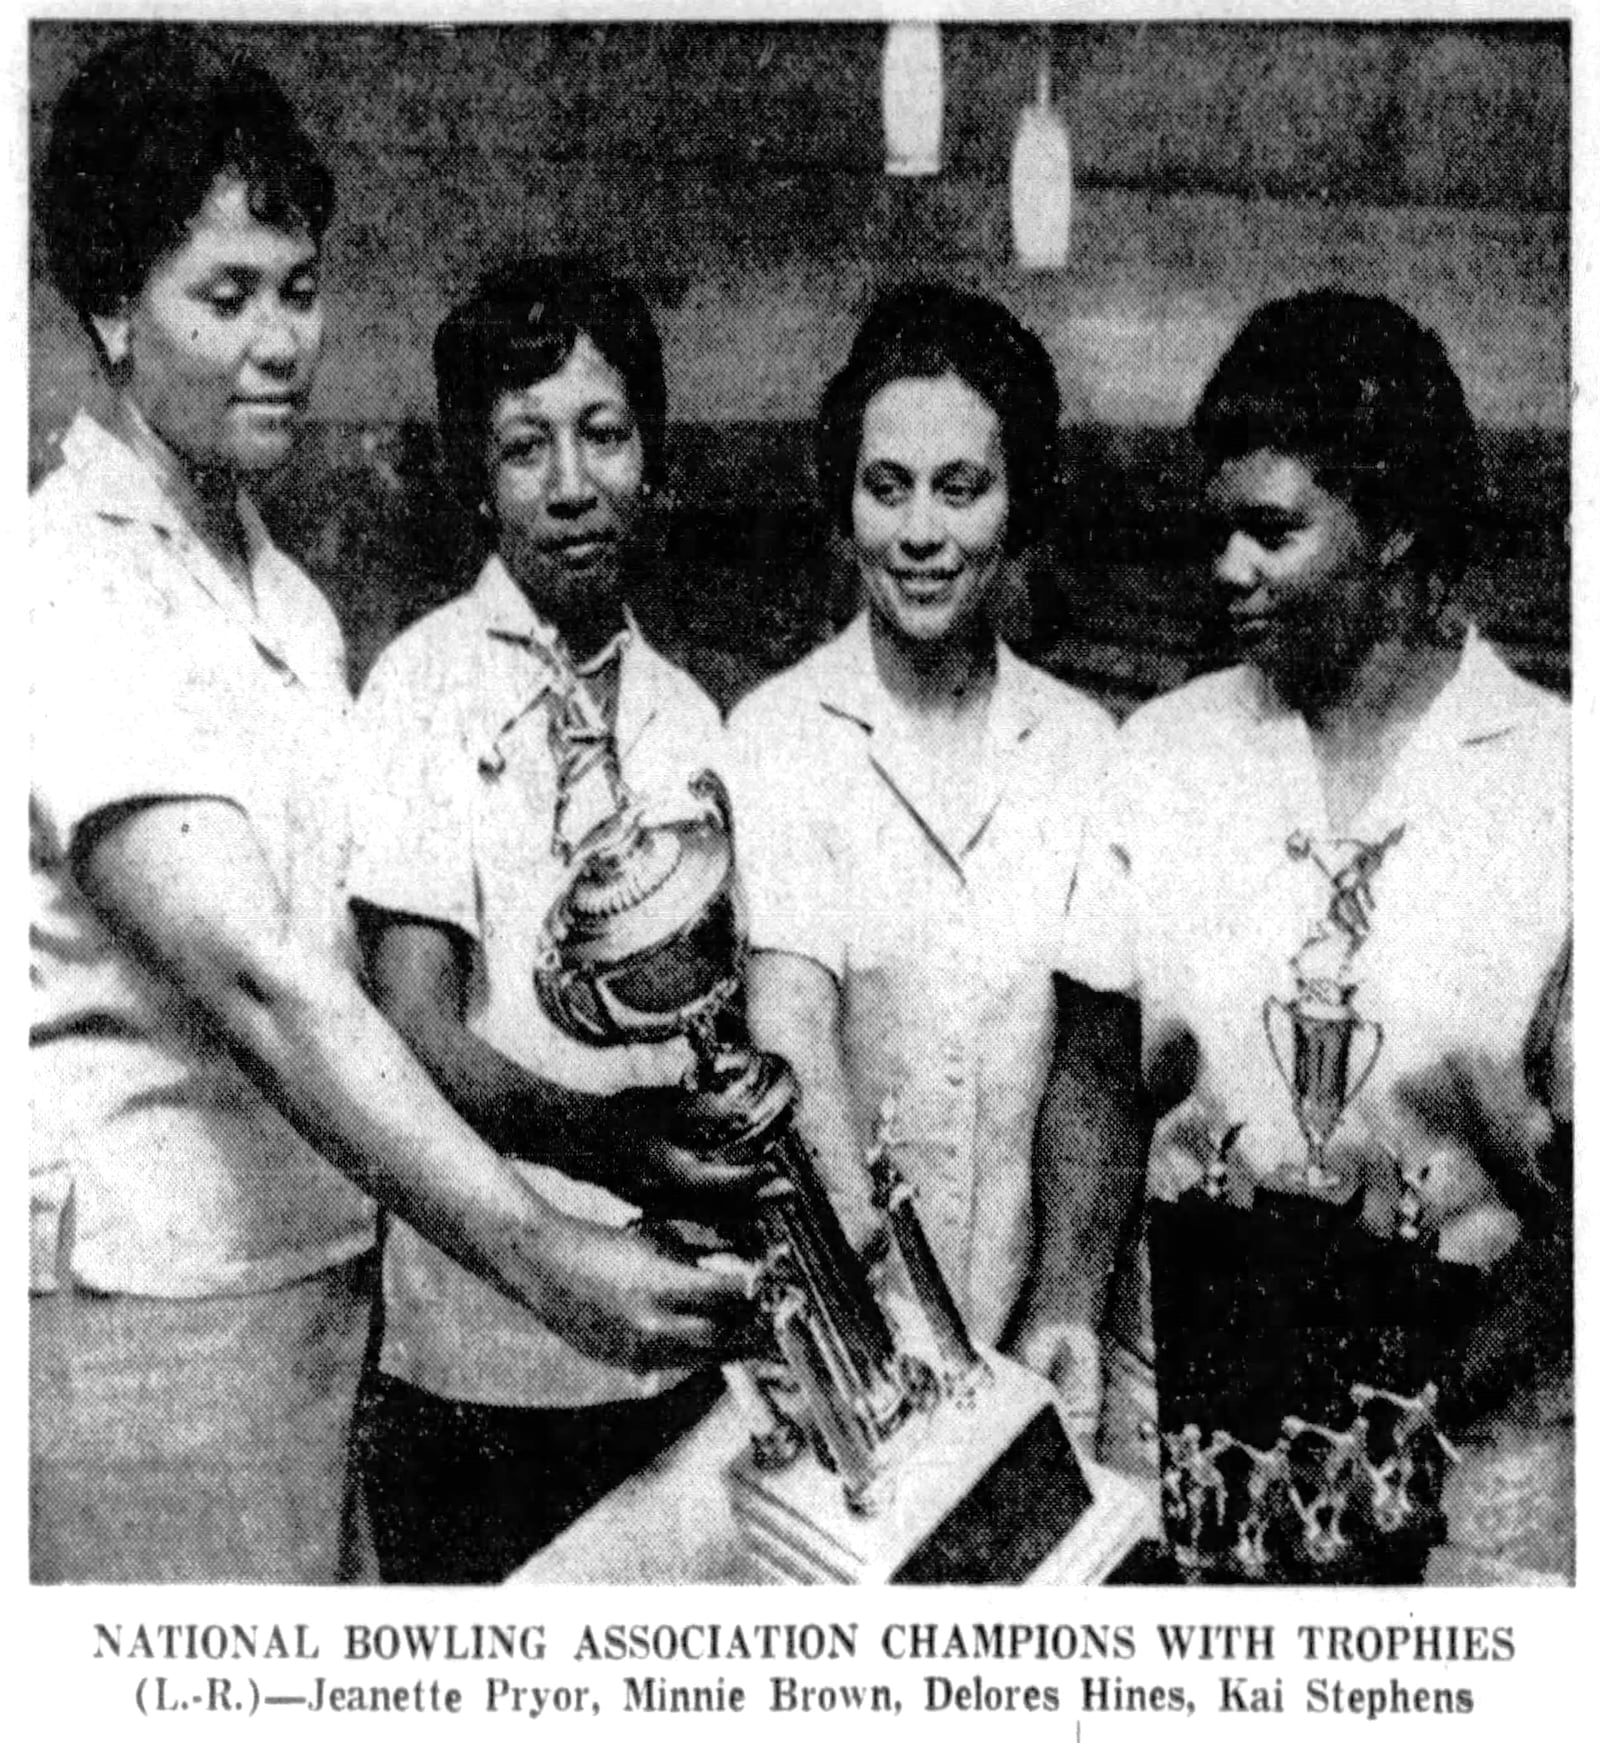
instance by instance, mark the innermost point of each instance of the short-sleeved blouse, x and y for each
(938, 913)
(154, 677)
(456, 827)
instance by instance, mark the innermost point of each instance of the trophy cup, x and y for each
(1298, 1351)
(885, 1447)
(1316, 1064)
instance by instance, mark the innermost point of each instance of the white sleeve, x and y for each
(795, 892)
(412, 813)
(1100, 940)
(122, 709)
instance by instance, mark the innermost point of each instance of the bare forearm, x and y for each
(826, 1120)
(350, 1086)
(518, 1112)
(349, 1083)
(1089, 1159)
(1527, 1325)
(793, 1008)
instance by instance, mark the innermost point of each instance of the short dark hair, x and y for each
(1365, 397)
(519, 327)
(138, 140)
(921, 331)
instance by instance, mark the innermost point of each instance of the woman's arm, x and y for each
(793, 1006)
(1089, 1154)
(184, 883)
(419, 971)
(1524, 1150)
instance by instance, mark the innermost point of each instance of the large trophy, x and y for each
(884, 1446)
(1298, 1349)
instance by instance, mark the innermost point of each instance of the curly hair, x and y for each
(138, 140)
(518, 327)
(923, 330)
(1365, 397)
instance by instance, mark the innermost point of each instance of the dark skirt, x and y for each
(198, 1441)
(463, 1494)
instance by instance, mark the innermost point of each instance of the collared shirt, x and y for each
(1210, 869)
(939, 914)
(154, 676)
(457, 828)
(1202, 883)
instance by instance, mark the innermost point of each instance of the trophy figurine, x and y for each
(884, 1445)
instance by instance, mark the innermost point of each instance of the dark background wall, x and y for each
(736, 172)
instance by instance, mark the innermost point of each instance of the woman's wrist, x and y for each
(536, 1257)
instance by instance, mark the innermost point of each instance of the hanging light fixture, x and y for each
(1041, 179)
(913, 99)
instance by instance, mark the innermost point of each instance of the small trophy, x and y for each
(1315, 1036)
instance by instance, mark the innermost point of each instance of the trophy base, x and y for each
(993, 1494)
(1297, 1359)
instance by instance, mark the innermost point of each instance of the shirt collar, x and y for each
(113, 480)
(115, 483)
(954, 820)
(118, 484)
(259, 548)
(1483, 698)
(848, 684)
(509, 617)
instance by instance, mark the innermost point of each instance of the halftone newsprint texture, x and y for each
(1356, 997)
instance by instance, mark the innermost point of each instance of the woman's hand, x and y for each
(1463, 1141)
(622, 1298)
(1477, 1114)
(1068, 1356)
(420, 971)
(642, 1162)
(1189, 1139)
(1483, 1140)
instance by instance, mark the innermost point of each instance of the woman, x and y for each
(486, 1431)
(213, 1097)
(908, 809)
(1370, 809)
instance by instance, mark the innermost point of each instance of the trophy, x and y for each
(1320, 1022)
(1298, 1350)
(884, 1446)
